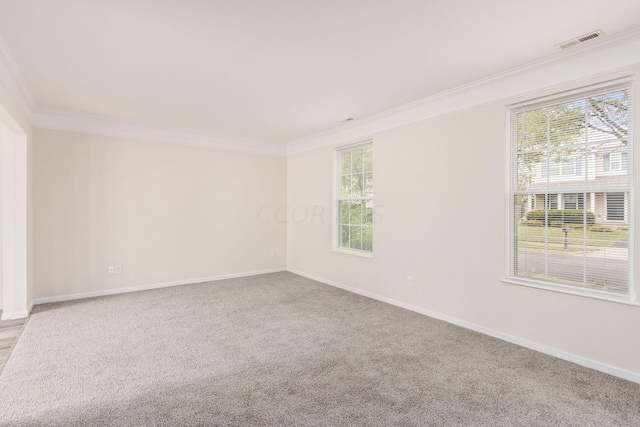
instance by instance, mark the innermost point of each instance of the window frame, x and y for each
(607, 203)
(606, 162)
(337, 198)
(579, 200)
(630, 298)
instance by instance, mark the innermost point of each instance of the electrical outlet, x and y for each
(273, 254)
(111, 269)
(410, 282)
(118, 269)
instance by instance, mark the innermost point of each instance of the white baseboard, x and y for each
(15, 315)
(83, 295)
(598, 366)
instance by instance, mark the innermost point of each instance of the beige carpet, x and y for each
(280, 349)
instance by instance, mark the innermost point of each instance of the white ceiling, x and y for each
(278, 70)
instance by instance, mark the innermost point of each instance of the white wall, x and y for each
(17, 214)
(440, 188)
(163, 212)
(2, 133)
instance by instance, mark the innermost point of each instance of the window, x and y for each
(565, 168)
(569, 168)
(354, 188)
(615, 206)
(552, 201)
(573, 201)
(615, 162)
(573, 250)
(606, 162)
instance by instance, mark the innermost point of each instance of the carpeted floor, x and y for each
(280, 349)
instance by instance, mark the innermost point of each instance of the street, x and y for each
(611, 274)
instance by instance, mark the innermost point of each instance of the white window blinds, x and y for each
(570, 190)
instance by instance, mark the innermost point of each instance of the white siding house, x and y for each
(601, 167)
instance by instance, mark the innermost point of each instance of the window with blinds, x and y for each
(570, 216)
(354, 189)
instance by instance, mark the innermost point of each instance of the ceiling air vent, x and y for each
(579, 40)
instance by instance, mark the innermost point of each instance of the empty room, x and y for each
(329, 213)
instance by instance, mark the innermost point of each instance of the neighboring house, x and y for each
(599, 167)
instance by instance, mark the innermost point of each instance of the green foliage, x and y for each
(534, 237)
(555, 129)
(357, 172)
(600, 229)
(559, 217)
(356, 225)
(356, 237)
(564, 123)
(346, 162)
(356, 212)
(532, 222)
(356, 216)
(550, 127)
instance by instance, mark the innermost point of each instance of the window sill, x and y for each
(573, 290)
(351, 252)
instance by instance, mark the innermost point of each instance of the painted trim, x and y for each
(105, 292)
(551, 351)
(48, 118)
(361, 254)
(608, 55)
(573, 290)
(15, 315)
(74, 121)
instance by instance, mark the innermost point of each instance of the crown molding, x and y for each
(611, 54)
(64, 120)
(12, 80)
(73, 121)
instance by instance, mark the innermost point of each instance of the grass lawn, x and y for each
(555, 235)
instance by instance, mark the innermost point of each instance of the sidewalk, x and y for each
(608, 253)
